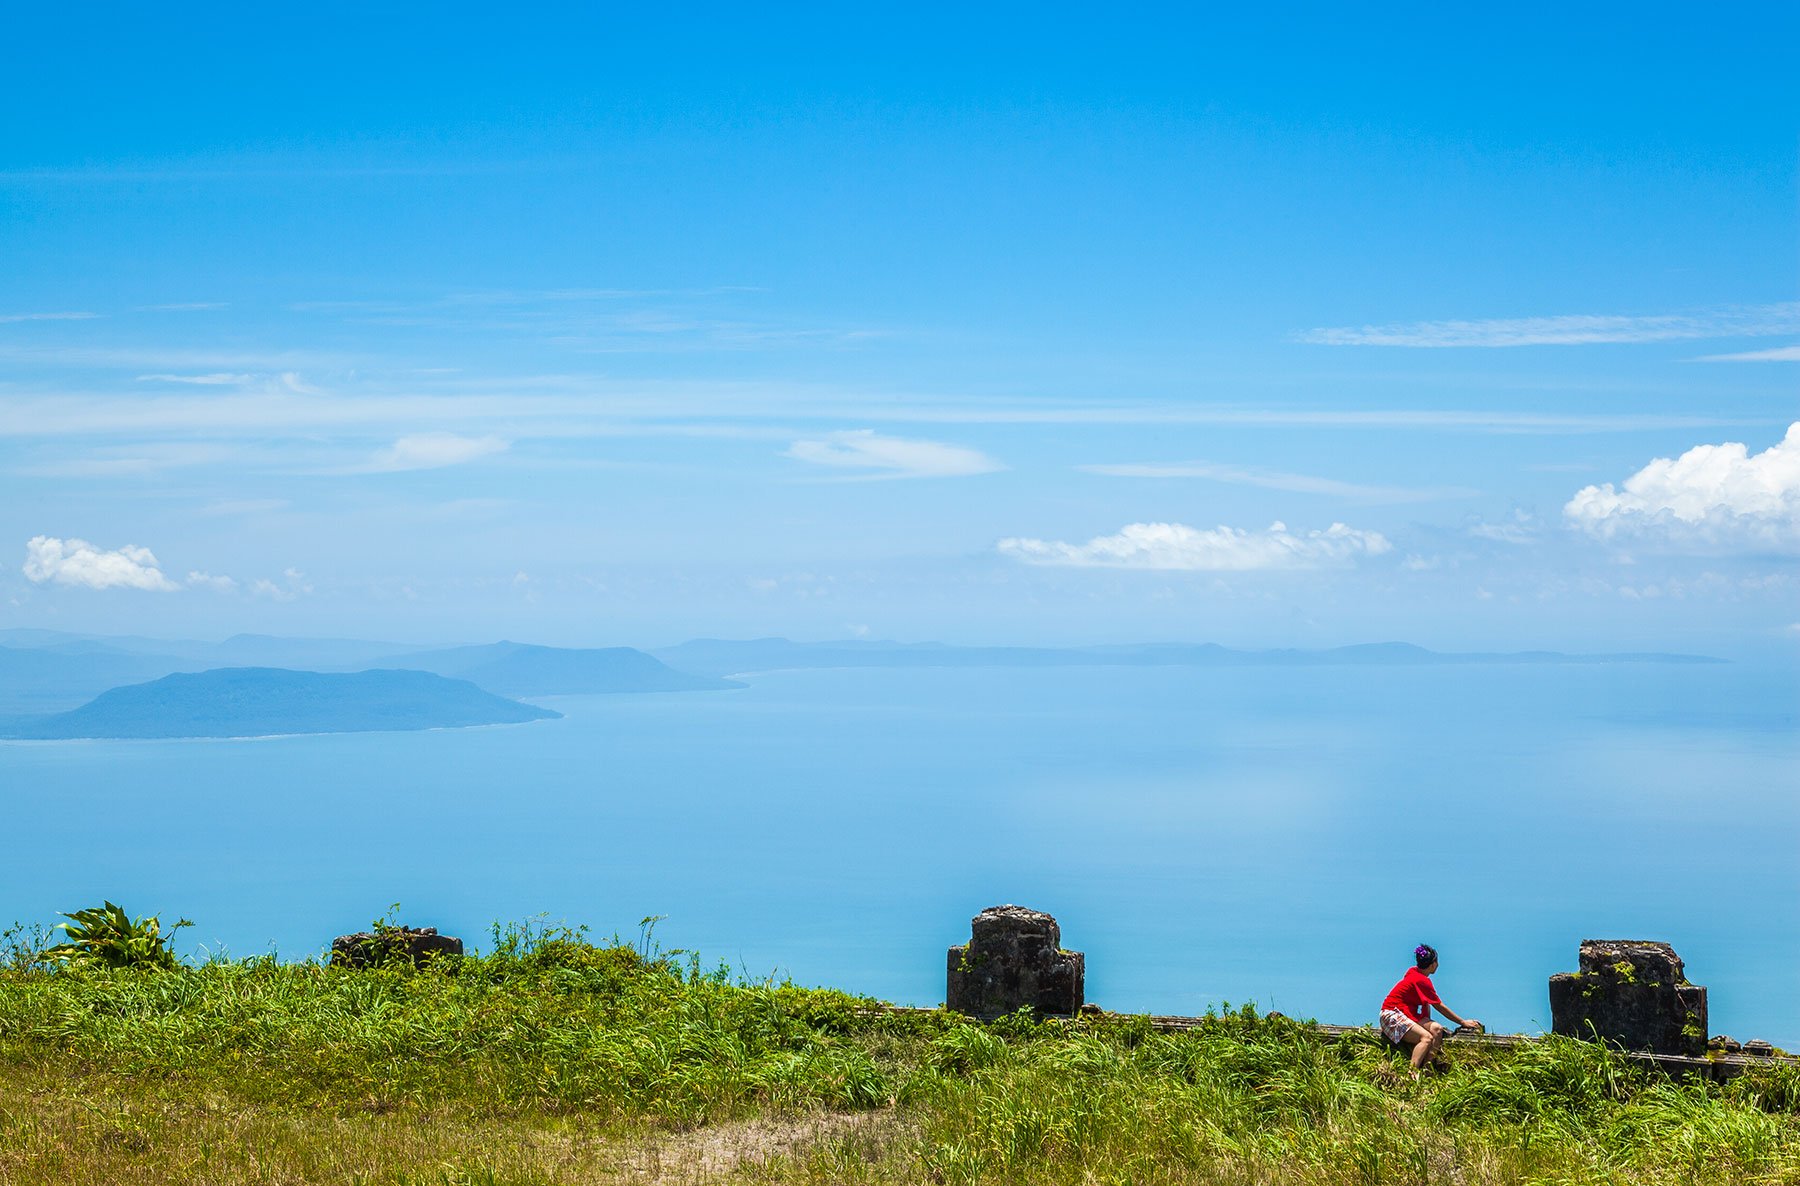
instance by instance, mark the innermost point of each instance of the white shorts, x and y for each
(1395, 1025)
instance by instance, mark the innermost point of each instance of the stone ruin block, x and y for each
(1014, 960)
(1630, 993)
(371, 949)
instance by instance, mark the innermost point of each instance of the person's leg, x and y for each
(1423, 1043)
(1438, 1034)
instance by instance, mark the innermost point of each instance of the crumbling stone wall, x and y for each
(1633, 993)
(1014, 960)
(369, 949)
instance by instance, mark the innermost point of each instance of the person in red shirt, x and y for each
(1406, 1013)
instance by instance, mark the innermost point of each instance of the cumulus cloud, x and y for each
(1220, 549)
(1712, 494)
(1575, 330)
(49, 560)
(892, 457)
(433, 450)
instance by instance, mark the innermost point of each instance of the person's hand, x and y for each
(1471, 1023)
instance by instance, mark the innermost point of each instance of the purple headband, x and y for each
(1421, 951)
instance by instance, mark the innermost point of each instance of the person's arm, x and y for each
(1468, 1021)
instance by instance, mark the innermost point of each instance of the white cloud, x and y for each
(433, 450)
(77, 562)
(1712, 494)
(1581, 329)
(1220, 549)
(1779, 354)
(206, 580)
(1275, 480)
(892, 457)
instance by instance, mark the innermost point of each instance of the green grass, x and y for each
(553, 1060)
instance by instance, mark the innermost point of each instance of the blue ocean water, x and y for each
(1277, 835)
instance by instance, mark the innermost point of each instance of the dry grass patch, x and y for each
(104, 1130)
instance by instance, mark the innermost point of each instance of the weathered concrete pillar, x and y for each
(1014, 960)
(369, 949)
(1633, 993)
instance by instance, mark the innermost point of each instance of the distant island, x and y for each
(267, 701)
(727, 657)
(44, 671)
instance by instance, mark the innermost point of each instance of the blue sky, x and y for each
(588, 327)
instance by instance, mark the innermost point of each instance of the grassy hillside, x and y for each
(555, 1061)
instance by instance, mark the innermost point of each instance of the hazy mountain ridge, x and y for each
(48, 679)
(266, 701)
(239, 650)
(520, 669)
(66, 681)
(725, 656)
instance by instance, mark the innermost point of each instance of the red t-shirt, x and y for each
(1413, 996)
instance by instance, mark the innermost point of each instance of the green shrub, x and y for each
(106, 937)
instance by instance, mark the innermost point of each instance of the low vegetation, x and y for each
(551, 1059)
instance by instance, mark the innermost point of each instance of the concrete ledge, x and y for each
(1719, 1067)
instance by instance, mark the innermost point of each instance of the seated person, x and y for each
(1406, 1013)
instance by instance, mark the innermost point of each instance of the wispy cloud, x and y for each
(1779, 354)
(245, 506)
(170, 358)
(1521, 528)
(892, 457)
(181, 307)
(218, 583)
(1276, 480)
(1219, 549)
(142, 458)
(211, 379)
(537, 295)
(434, 450)
(1712, 495)
(49, 560)
(604, 320)
(291, 587)
(574, 406)
(47, 316)
(1746, 321)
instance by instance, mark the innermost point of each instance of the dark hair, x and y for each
(1425, 955)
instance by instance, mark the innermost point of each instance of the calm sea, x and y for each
(1283, 836)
